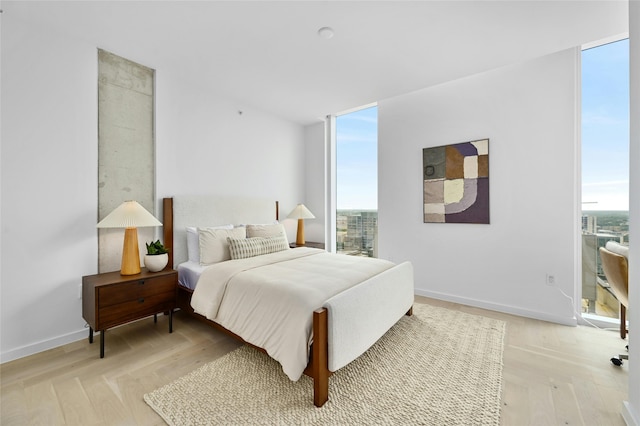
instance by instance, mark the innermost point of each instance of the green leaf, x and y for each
(156, 247)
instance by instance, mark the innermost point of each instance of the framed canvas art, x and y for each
(456, 183)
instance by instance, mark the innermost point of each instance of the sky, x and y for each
(357, 160)
(605, 127)
(605, 138)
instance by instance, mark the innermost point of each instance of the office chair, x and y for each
(615, 264)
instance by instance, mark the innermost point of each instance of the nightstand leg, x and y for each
(171, 321)
(155, 318)
(102, 333)
(90, 335)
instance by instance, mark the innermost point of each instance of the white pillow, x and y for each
(242, 248)
(214, 246)
(617, 248)
(266, 231)
(193, 242)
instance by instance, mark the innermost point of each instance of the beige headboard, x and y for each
(209, 210)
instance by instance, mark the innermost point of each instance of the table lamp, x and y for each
(129, 215)
(301, 213)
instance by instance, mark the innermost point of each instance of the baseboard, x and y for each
(606, 323)
(83, 334)
(507, 309)
(44, 345)
(629, 415)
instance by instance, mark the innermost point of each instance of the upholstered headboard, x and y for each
(208, 210)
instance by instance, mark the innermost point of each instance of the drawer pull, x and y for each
(141, 300)
(141, 282)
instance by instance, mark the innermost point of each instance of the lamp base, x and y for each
(130, 254)
(300, 234)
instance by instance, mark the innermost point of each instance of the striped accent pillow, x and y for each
(242, 248)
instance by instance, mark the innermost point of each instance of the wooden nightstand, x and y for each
(111, 299)
(308, 244)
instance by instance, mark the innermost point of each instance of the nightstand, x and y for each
(111, 299)
(308, 244)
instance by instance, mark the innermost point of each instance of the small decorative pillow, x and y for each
(256, 246)
(266, 231)
(193, 241)
(214, 246)
(617, 248)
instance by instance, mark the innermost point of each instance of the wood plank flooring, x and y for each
(553, 374)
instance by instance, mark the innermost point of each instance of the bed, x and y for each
(310, 310)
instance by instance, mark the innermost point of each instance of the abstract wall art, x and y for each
(456, 183)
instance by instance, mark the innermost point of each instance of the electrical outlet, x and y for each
(551, 280)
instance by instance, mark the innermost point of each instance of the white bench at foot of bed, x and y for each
(359, 316)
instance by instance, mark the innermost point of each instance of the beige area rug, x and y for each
(437, 367)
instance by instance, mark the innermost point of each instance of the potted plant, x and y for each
(156, 258)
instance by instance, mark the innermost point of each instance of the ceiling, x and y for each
(268, 55)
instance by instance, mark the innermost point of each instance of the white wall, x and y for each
(315, 182)
(209, 145)
(49, 180)
(49, 173)
(527, 111)
(631, 411)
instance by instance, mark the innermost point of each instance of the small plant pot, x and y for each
(156, 262)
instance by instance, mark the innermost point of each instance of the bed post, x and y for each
(320, 367)
(167, 227)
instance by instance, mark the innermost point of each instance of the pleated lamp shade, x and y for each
(129, 215)
(300, 212)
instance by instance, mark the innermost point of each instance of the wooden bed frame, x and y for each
(318, 366)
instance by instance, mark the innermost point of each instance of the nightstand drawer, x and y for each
(134, 290)
(121, 313)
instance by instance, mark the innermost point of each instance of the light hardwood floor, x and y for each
(553, 374)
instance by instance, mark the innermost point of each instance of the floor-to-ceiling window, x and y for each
(605, 166)
(357, 182)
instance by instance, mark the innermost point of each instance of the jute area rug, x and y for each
(437, 367)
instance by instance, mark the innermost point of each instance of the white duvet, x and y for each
(269, 300)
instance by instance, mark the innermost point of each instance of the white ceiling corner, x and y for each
(268, 55)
